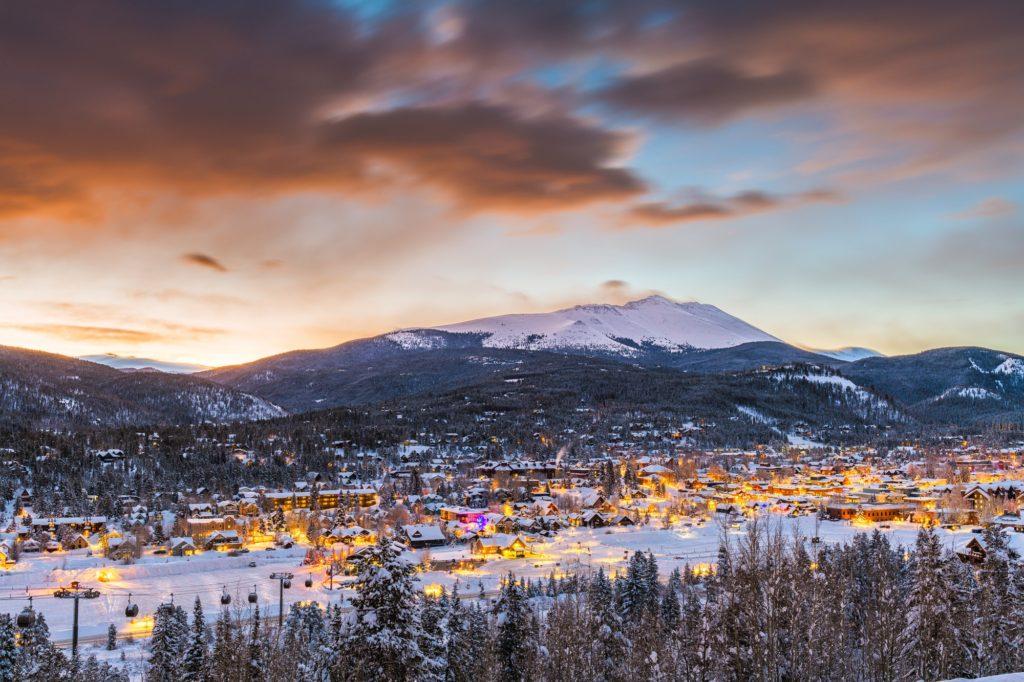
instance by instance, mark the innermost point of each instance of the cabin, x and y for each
(75, 541)
(182, 546)
(223, 540)
(973, 553)
(420, 536)
(500, 544)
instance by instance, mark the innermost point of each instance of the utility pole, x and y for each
(283, 580)
(76, 591)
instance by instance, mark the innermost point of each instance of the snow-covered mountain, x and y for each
(848, 354)
(127, 362)
(650, 323)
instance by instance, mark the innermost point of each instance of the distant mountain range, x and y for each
(53, 391)
(127, 362)
(684, 355)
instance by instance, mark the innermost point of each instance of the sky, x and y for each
(214, 182)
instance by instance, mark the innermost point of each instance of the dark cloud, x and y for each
(491, 157)
(204, 260)
(615, 285)
(252, 97)
(706, 91)
(662, 214)
(266, 96)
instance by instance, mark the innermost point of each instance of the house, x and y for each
(350, 535)
(1014, 521)
(508, 546)
(223, 540)
(182, 546)
(121, 548)
(75, 541)
(420, 536)
(973, 553)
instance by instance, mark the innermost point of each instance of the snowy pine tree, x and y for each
(995, 605)
(8, 650)
(386, 633)
(255, 665)
(224, 659)
(609, 644)
(514, 646)
(928, 635)
(168, 644)
(432, 638)
(197, 653)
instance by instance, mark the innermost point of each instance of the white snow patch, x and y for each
(972, 392)
(1012, 366)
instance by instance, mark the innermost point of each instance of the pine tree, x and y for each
(477, 643)
(224, 663)
(514, 645)
(111, 637)
(35, 651)
(196, 655)
(928, 636)
(432, 644)
(277, 522)
(168, 643)
(995, 606)
(669, 611)
(609, 643)
(8, 650)
(457, 650)
(307, 633)
(962, 656)
(387, 632)
(254, 666)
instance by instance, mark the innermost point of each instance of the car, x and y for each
(252, 564)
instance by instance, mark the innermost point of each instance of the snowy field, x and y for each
(153, 579)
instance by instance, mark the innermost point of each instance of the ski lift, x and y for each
(287, 583)
(309, 581)
(253, 597)
(132, 609)
(27, 617)
(225, 598)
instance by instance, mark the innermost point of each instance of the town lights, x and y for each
(433, 590)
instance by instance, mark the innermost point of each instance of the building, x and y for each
(872, 512)
(419, 536)
(500, 544)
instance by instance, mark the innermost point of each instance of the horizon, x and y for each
(214, 186)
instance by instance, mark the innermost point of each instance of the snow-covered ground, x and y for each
(154, 578)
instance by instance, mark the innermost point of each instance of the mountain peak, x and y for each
(654, 321)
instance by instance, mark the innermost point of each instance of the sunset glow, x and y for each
(209, 183)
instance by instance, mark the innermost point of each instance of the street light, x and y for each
(284, 580)
(76, 591)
